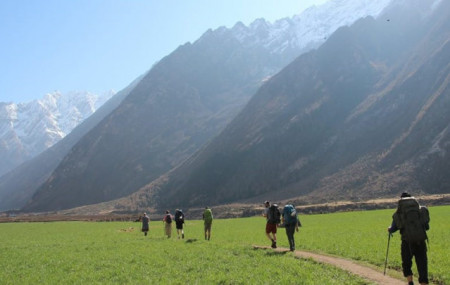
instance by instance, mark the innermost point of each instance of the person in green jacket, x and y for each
(207, 218)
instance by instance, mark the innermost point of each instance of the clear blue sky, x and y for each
(98, 45)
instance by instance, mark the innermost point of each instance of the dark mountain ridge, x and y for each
(331, 124)
(184, 100)
(364, 116)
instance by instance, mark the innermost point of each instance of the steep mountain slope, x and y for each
(366, 115)
(184, 101)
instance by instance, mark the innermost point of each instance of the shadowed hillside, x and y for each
(365, 115)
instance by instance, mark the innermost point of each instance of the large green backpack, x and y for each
(207, 216)
(412, 220)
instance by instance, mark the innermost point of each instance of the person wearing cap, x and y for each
(271, 227)
(410, 248)
(145, 224)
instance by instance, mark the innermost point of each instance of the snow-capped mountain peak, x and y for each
(27, 129)
(309, 28)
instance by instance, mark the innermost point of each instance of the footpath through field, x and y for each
(348, 265)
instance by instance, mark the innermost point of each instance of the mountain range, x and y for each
(184, 101)
(175, 122)
(363, 116)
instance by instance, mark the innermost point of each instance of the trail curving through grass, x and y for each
(345, 264)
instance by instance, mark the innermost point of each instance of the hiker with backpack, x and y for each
(145, 224)
(291, 223)
(207, 218)
(413, 221)
(167, 220)
(179, 221)
(272, 214)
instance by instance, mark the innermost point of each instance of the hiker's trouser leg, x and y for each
(420, 253)
(290, 230)
(406, 259)
(208, 230)
(168, 229)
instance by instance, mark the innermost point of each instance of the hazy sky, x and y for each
(98, 45)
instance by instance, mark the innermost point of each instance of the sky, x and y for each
(102, 45)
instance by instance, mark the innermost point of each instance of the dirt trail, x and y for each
(348, 265)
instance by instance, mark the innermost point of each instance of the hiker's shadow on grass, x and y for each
(276, 252)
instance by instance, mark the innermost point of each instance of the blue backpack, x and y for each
(289, 215)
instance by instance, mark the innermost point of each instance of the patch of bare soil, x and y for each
(127, 230)
(345, 264)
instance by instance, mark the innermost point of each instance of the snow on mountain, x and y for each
(308, 29)
(27, 129)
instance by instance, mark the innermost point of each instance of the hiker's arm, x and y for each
(393, 228)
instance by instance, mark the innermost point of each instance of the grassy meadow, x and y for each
(118, 253)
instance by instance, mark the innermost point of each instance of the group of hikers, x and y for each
(287, 219)
(411, 219)
(179, 219)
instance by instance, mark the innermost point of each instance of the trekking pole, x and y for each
(387, 251)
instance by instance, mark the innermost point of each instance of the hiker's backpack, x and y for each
(425, 217)
(207, 216)
(289, 215)
(168, 219)
(274, 215)
(179, 218)
(412, 220)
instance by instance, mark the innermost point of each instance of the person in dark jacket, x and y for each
(290, 222)
(179, 221)
(418, 249)
(145, 224)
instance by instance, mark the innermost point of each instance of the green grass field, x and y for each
(117, 252)
(363, 236)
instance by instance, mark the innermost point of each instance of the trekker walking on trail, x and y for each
(272, 214)
(145, 224)
(413, 221)
(291, 223)
(207, 218)
(167, 220)
(179, 221)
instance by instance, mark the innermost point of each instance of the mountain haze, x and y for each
(184, 101)
(363, 116)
